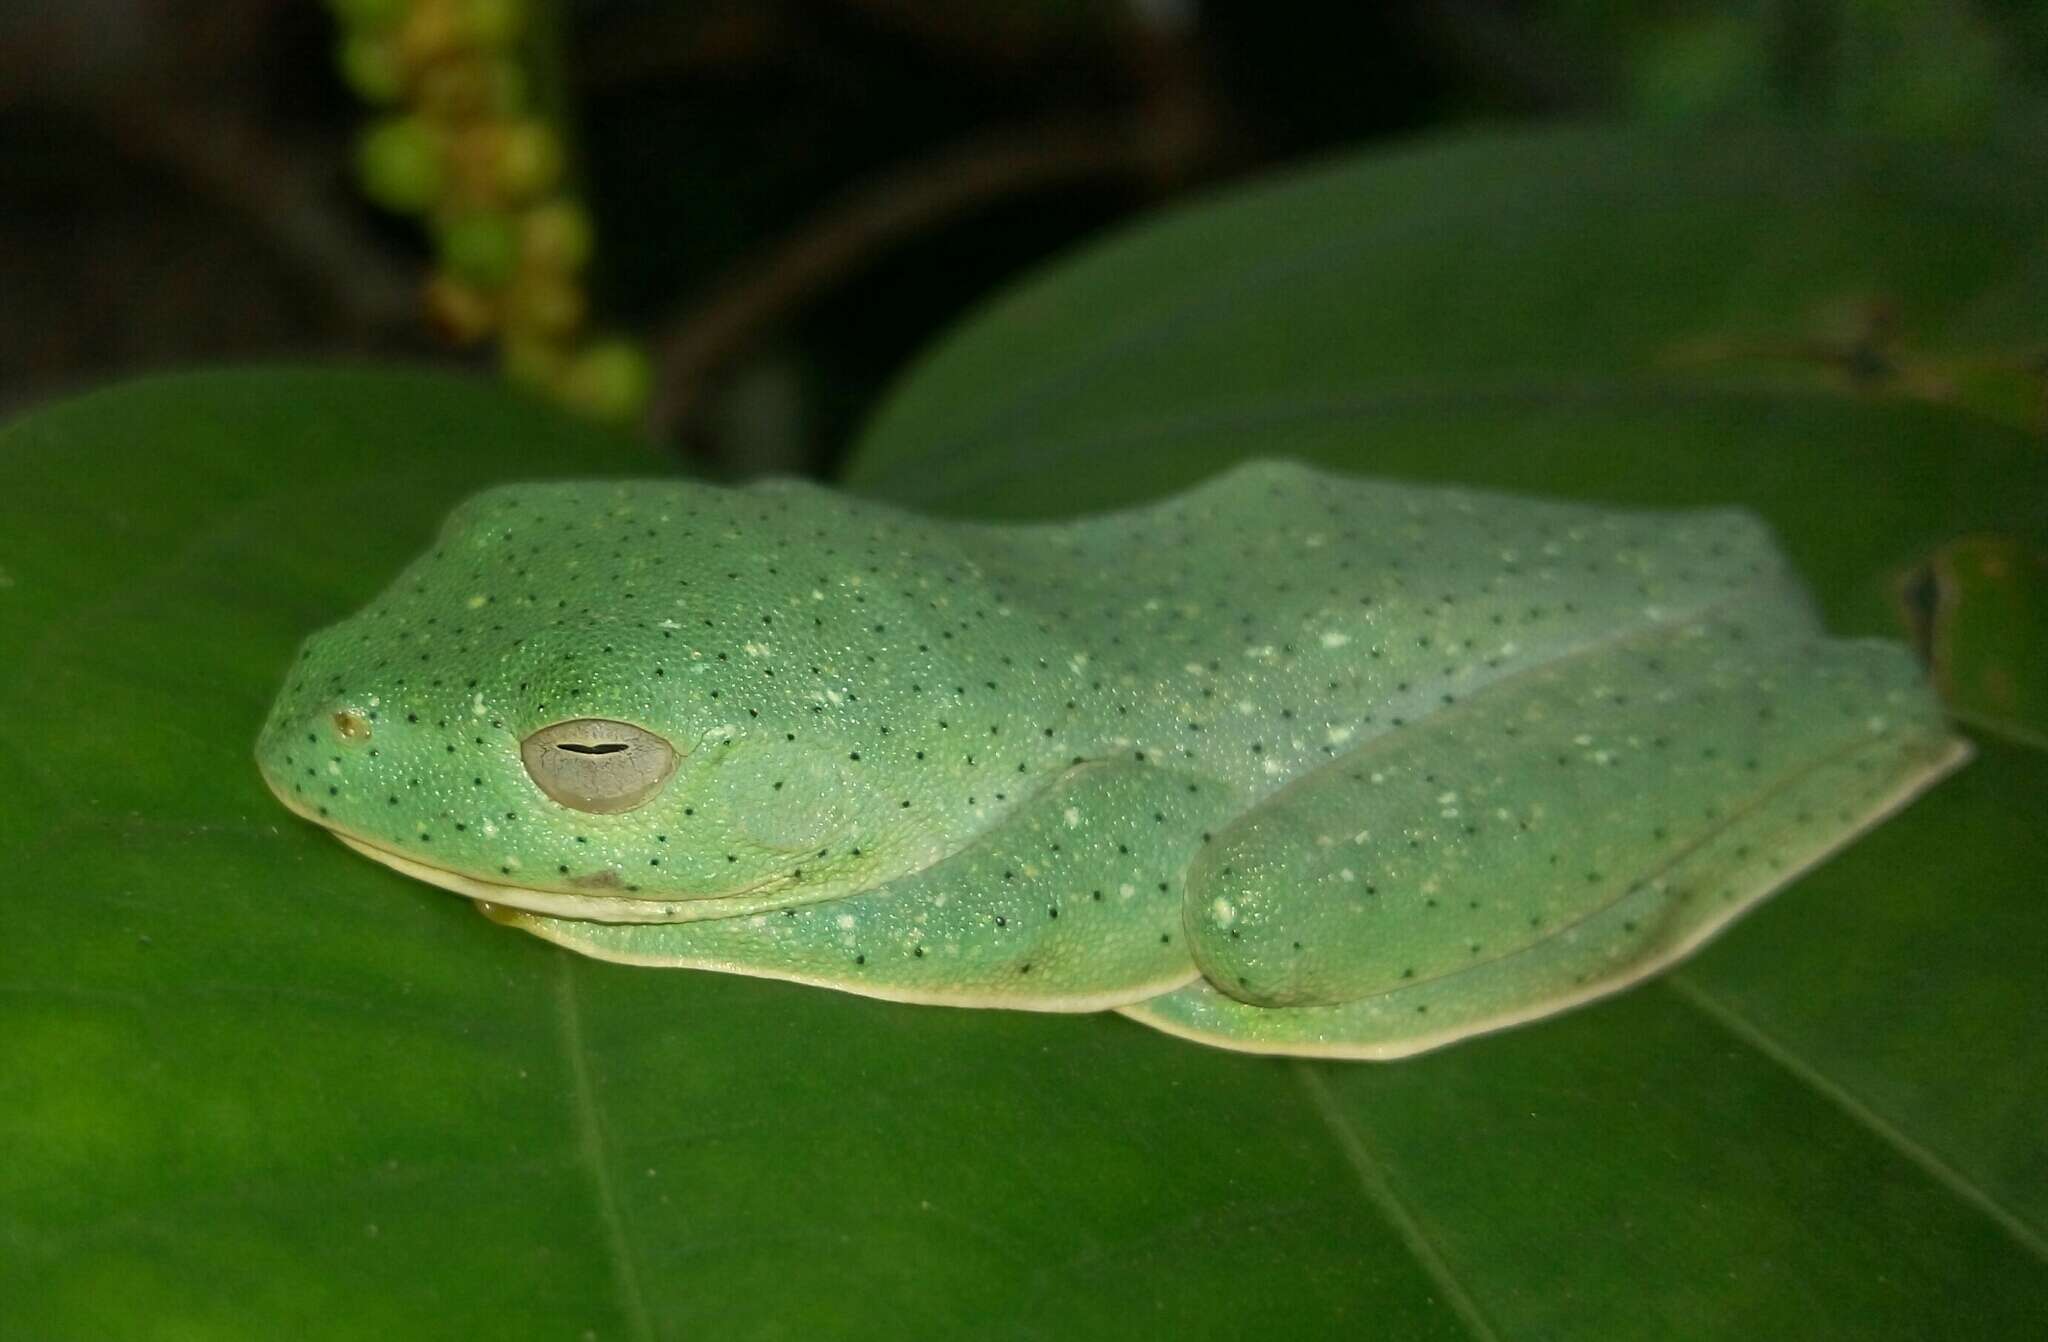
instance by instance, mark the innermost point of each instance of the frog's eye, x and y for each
(598, 765)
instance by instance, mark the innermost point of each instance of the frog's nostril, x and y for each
(351, 727)
(597, 764)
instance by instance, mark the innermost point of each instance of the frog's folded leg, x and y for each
(1550, 839)
(1071, 903)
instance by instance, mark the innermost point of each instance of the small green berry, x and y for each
(545, 304)
(480, 248)
(462, 313)
(493, 23)
(528, 160)
(609, 381)
(399, 160)
(432, 31)
(471, 85)
(555, 236)
(370, 68)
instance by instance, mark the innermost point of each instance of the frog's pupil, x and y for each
(601, 748)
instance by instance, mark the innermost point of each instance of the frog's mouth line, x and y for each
(733, 902)
(590, 908)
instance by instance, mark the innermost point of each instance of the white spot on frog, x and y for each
(1072, 815)
(1333, 639)
(1224, 912)
(476, 706)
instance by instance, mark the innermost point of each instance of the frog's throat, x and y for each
(593, 908)
(734, 901)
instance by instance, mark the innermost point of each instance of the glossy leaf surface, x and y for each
(254, 1084)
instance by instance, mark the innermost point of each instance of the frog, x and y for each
(1291, 762)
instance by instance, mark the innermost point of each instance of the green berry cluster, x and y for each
(459, 143)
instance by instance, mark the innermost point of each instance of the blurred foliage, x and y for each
(1918, 67)
(189, 168)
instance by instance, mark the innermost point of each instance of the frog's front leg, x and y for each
(1551, 839)
(1071, 903)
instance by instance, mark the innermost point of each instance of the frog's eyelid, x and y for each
(598, 765)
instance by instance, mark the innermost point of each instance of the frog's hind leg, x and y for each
(1546, 842)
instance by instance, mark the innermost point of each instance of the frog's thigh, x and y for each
(1546, 843)
(1072, 903)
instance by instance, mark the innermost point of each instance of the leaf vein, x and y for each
(591, 1139)
(1381, 1194)
(1857, 1109)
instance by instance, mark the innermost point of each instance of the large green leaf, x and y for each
(251, 1084)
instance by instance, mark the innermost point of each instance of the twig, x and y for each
(238, 164)
(848, 236)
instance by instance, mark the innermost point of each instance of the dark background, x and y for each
(793, 196)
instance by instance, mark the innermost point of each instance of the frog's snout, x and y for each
(598, 765)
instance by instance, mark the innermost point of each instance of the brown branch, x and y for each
(689, 43)
(991, 37)
(285, 194)
(850, 235)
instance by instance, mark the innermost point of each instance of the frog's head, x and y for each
(542, 713)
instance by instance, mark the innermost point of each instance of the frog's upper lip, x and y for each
(553, 903)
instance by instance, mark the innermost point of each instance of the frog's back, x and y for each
(1259, 624)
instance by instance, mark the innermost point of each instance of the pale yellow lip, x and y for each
(591, 908)
(552, 903)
